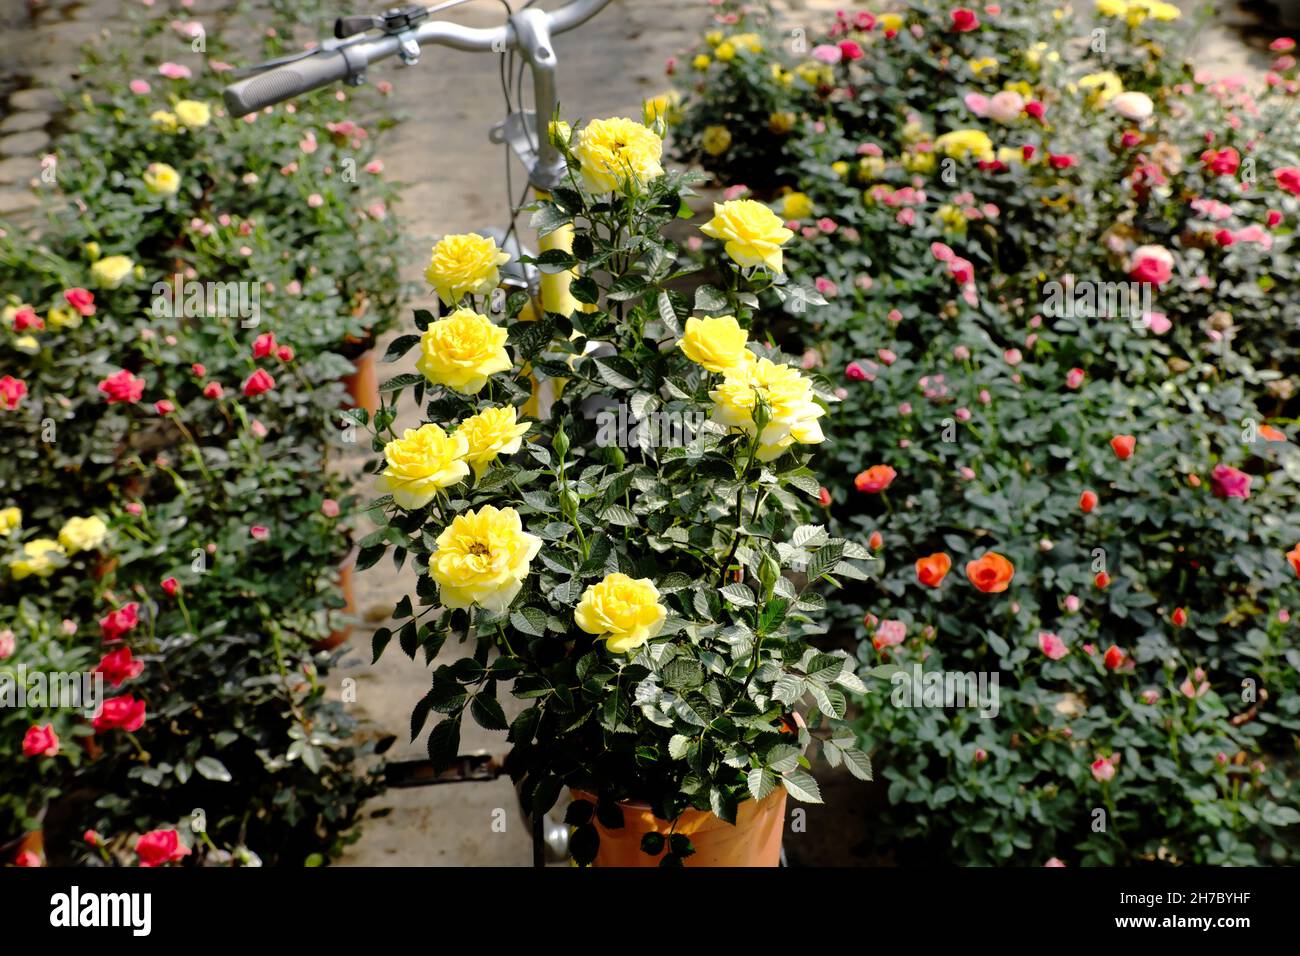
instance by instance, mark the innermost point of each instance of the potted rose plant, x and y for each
(638, 565)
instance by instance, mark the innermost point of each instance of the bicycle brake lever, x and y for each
(345, 27)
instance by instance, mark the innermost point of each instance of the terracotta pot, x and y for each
(363, 387)
(345, 585)
(754, 841)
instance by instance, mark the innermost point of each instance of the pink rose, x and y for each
(889, 633)
(1103, 770)
(329, 508)
(174, 71)
(12, 391)
(258, 383)
(259, 532)
(264, 345)
(120, 713)
(119, 666)
(1052, 645)
(1152, 264)
(116, 623)
(1229, 482)
(1074, 378)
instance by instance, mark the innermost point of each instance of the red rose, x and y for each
(12, 391)
(264, 345)
(1122, 446)
(170, 586)
(1152, 264)
(163, 407)
(875, 479)
(963, 20)
(119, 666)
(120, 713)
(284, 353)
(1087, 501)
(116, 623)
(1221, 162)
(40, 741)
(159, 847)
(122, 387)
(26, 318)
(1035, 109)
(258, 383)
(1101, 581)
(1179, 617)
(213, 390)
(1060, 161)
(824, 496)
(1114, 657)
(81, 300)
(850, 50)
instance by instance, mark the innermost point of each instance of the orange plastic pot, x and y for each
(363, 387)
(755, 840)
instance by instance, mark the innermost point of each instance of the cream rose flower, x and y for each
(423, 460)
(718, 343)
(618, 153)
(10, 519)
(482, 558)
(110, 271)
(82, 534)
(462, 350)
(624, 611)
(752, 234)
(463, 265)
(490, 433)
(792, 407)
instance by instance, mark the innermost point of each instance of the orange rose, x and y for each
(875, 479)
(991, 573)
(1122, 446)
(1269, 433)
(1294, 557)
(931, 571)
(1087, 501)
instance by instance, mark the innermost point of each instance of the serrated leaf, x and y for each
(800, 785)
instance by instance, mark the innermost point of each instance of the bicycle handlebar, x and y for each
(347, 59)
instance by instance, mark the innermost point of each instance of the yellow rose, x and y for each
(560, 133)
(952, 218)
(1164, 11)
(423, 460)
(41, 557)
(713, 37)
(1112, 8)
(616, 154)
(716, 140)
(718, 344)
(624, 611)
(482, 558)
(986, 64)
(701, 61)
(10, 519)
(890, 21)
(747, 41)
(753, 234)
(871, 168)
(28, 344)
(109, 272)
(1009, 155)
(1104, 87)
(725, 52)
(192, 113)
(781, 122)
(164, 120)
(465, 264)
(63, 317)
(796, 206)
(92, 250)
(661, 108)
(162, 180)
(918, 161)
(965, 142)
(462, 350)
(492, 432)
(82, 534)
(790, 402)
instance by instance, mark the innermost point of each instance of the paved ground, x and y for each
(457, 183)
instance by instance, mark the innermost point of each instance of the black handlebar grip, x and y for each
(285, 82)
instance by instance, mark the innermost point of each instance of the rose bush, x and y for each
(973, 194)
(176, 516)
(647, 594)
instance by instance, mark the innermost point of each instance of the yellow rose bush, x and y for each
(643, 560)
